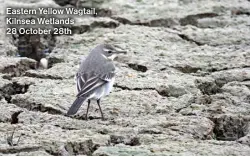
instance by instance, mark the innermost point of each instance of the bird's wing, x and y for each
(108, 76)
(81, 79)
(87, 82)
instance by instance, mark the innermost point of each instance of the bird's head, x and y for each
(109, 52)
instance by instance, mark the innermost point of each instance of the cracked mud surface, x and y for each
(182, 89)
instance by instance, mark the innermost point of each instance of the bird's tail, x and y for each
(76, 105)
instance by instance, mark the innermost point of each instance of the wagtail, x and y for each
(95, 77)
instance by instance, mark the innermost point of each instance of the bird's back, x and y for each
(93, 64)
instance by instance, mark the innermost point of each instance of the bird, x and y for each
(95, 77)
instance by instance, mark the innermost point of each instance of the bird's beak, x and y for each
(117, 53)
(121, 52)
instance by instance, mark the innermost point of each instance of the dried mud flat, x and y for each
(182, 89)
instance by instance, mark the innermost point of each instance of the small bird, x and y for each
(95, 77)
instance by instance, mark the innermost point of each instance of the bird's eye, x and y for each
(107, 51)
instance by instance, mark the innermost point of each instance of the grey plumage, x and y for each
(95, 76)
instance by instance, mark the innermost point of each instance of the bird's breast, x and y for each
(108, 86)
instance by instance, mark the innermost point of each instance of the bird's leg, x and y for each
(86, 117)
(98, 102)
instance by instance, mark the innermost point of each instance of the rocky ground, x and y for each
(182, 89)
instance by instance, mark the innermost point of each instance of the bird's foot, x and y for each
(86, 118)
(92, 118)
(104, 119)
